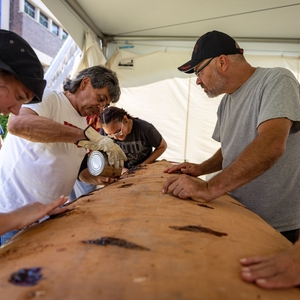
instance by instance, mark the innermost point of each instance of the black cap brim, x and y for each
(6, 67)
(36, 86)
(188, 67)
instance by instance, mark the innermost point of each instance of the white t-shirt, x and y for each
(31, 171)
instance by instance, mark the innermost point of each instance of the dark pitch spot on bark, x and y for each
(26, 277)
(103, 241)
(125, 185)
(198, 229)
(204, 205)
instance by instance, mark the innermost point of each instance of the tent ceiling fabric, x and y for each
(247, 19)
(147, 41)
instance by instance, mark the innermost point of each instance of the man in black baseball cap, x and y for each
(258, 128)
(21, 81)
(209, 45)
(21, 73)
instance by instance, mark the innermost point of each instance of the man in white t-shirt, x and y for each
(47, 141)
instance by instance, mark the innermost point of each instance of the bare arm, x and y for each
(257, 158)
(35, 128)
(30, 213)
(156, 153)
(211, 165)
(86, 177)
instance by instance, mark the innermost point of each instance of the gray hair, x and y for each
(100, 77)
(236, 58)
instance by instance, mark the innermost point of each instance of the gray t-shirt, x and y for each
(268, 94)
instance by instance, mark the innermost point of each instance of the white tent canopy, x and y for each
(252, 20)
(179, 108)
(145, 42)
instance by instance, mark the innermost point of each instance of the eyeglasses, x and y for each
(118, 133)
(205, 65)
(103, 101)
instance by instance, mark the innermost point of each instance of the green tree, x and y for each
(3, 123)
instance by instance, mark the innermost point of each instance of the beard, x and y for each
(219, 83)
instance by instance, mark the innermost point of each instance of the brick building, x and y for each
(32, 20)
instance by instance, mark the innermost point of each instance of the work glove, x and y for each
(96, 141)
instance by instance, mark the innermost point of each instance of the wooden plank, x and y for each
(179, 265)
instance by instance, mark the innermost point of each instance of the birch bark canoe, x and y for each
(178, 265)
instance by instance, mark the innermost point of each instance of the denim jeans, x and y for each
(5, 237)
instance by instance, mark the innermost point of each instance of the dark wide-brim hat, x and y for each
(18, 58)
(212, 44)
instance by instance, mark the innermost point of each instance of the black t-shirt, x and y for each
(139, 143)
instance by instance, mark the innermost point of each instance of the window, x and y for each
(29, 9)
(55, 29)
(64, 35)
(43, 20)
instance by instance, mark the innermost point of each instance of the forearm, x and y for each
(156, 153)
(88, 178)
(29, 213)
(152, 158)
(251, 163)
(7, 223)
(258, 157)
(212, 164)
(39, 129)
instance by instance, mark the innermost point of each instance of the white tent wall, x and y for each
(153, 89)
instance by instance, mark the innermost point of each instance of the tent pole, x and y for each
(194, 38)
(187, 121)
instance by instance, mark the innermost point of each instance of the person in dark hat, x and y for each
(258, 128)
(21, 81)
(21, 73)
(210, 45)
(47, 141)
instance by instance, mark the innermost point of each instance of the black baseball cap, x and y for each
(18, 58)
(212, 44)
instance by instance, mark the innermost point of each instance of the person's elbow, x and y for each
(278, 149)
(13, 126)
(163, 145)
(22, 123)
